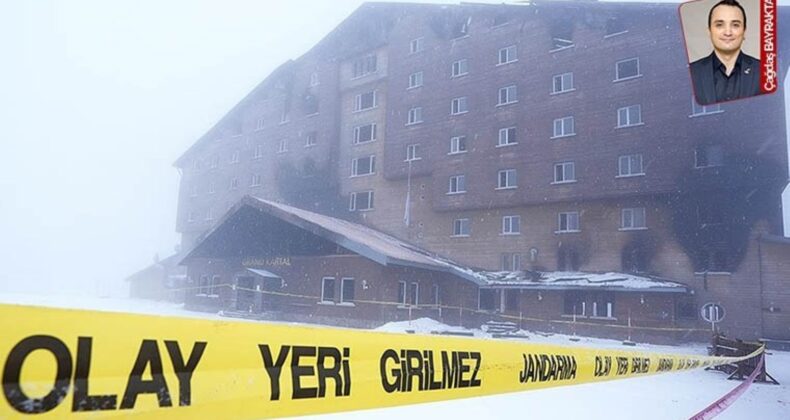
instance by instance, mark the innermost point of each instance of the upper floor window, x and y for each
(284, 117)
(364, 66)
(507, 95)
(193, 192)
(457, 144)
(568, 222)
(615, 26)
(564, 127)
(633, 218)
(461, 227)
(697, 109)
(364, 133)
(214, 163)
(562, 37)
(416, 45)
(282, 146)
(259, 124)
(500, 19)
(311, 139)
(347, 290)
(191, 216)
(511, 261)
(630, 165)
(507, 55)
(415, 80)
(314, 79)
(328, 289)
(412, 152)
(627, 69)
(457, 184)
(365, 101)
(257, 152)
(361, 201)
(507, 136)
(212, 187)
(255, 180)
(363, 166)
(511, 225)
(629, 116)
(564, 172)
(234, 183)
(415, 116)
(196, 165)
(461, 29)
(562, 83)
(460, 68)
(235, 157)
(506, 178)
(707, 156)
(458, 106)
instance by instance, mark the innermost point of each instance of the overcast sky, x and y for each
(98, 98)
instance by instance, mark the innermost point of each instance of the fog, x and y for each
(98, 99)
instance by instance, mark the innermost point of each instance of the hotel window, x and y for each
(511, 225)
(500, 19)
(460, 68)
(214, 163)
(568, 222)
(259, 124)
(212, 187)
(213, 290)
(511, 262)
(363, 166)
(461, 227)
(562, 83)
(506, 179)
(365, 101)
(402, 293)
(282, 146)
(347, 290)
(507, 55)
(191, 216)
(486, 299)
(457, 184)
(627, 69)
(415, 80)
(364, 66)
(364, 133)
(507, 136)
(629, 116)
(573, 303)
(458, 106)
(461, 29)
(328, 289)
(564, 172)
(699, 110)
(314, 79)
(257, 152)
(436, 299)
(603, 305)
(414, 294)
(415, 116)
(457, 145)
(193, 191)
(204, 285)
(615, 26)
(630, 165)
(255, 181)
(708, 156)
(564, 127)
(234, 183)
(284, 118)
(508, 95)
(235, 157)
(311, 139)
(633, 218)
(209, 215)
(412, 152)
(416, 45)
(361, 201)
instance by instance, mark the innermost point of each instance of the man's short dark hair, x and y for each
(731, 3)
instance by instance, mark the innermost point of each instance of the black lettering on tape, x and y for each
(274, 368)
(298, 371)
(82, 400)
(184, 372)
(147, 355)
(12, 370)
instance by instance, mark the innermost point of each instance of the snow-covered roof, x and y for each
(578, 280)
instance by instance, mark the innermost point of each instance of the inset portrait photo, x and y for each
(730, 46)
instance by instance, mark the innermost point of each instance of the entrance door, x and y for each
(245, 298)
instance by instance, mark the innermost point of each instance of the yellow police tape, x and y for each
(60, 362)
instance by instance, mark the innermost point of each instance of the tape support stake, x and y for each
(60, 362)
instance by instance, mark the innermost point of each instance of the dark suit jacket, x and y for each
(702, 79)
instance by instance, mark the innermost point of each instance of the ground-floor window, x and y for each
(574, 303)
(414, 293)
(347, 290)
(328, 289)
(487, 300)
(511, 300)
(603, 305)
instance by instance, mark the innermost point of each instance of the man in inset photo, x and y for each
(727, 73)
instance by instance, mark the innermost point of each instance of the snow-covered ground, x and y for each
(668, 396)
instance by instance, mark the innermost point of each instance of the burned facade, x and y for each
(545, 137)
